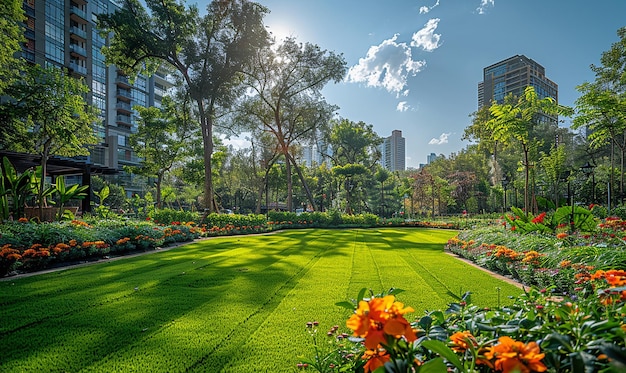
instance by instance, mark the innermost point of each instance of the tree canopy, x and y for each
(210, 52)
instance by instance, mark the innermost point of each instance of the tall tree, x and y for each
(161, 139)
(11, 37)
(515, 120)
(51, 106)
(288, 103)
(210, 52)
(602, 106)
(354, 154)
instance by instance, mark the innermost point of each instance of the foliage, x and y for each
(11, 37)
(287, 80)
(540, 332)
(516, 119)
(168, 216)
(209, 52)
(51, 106)
(149, 312)
(15, 188)
(66, 194)
(160, 139)
(27, 246)
(572, 218)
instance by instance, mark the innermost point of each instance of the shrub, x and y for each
(168, 216)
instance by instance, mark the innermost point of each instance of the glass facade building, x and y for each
(513, 75)
(63, 33)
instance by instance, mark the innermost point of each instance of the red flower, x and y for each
(539, 218)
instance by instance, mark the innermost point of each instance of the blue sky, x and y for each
(415, 65)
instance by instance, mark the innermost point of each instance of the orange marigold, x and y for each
(462, 341)
(378, 317)
(375, 359)
(515, 356)
(561, 235)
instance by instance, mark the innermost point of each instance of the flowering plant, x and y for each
(540, 332)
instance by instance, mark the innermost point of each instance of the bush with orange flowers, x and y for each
(541, 332)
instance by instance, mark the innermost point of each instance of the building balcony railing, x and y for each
(28, 55)
(124, 93)
(29, 10)
(76, 49)
(124, 119)
(78, 15)
(122, 80)
(29, 34)
(124, 106)
(82, 34)
(78, 68)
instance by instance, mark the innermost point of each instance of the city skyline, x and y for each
(415, 65)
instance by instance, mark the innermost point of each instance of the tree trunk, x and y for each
(305, 185)
(526, 177)
(289, 184)
(206, 125)
(159, 202)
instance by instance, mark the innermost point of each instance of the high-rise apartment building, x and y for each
(513, 75)
(63, 33)
(393, 152)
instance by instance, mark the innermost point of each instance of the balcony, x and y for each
(122, 81)
(123, 106)
(76, 68)
(78, 15)
(123, 119)
(28, 55)
(124, 93)
(29, 34)
(29, 11)
(78, 33)
(78, 51)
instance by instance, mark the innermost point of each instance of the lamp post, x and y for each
(587, 169)
(505, 183)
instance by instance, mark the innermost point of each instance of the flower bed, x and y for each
(27, 247)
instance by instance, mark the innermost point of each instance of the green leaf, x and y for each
(434, 366)
(346, 305)
(445, 351)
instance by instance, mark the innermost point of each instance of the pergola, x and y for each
(57, 166)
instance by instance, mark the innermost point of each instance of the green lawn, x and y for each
(232, 304)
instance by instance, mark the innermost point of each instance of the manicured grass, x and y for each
(232, 304)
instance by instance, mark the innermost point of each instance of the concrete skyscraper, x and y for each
(393, 152)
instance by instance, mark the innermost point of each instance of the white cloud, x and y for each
(426, 37)
(443, 139)
(386, 65)
(426, 9)
(484, 4)
(239, 142)
(402, 106)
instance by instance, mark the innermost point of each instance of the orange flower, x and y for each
(379, 317)
(375, 359)
(561, 235)
(514, 356)
(22, 220)
(462, 341)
